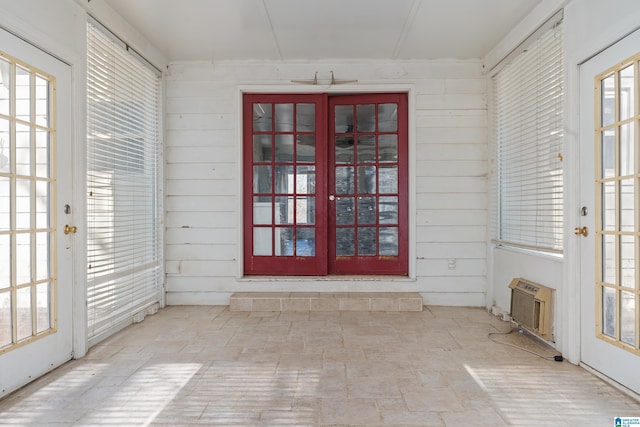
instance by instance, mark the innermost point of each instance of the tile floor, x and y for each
(210, 366)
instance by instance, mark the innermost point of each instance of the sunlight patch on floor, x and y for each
(515, 390)
(143, 396)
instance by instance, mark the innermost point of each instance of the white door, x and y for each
(35, 186)
(610, 192)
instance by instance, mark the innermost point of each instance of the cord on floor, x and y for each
(556, 358)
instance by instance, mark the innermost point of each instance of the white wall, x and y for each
(509, 264)
(448, 176)
(505, 264)
(589, 27)
(59, 28)
(52, 26)
(449, 202)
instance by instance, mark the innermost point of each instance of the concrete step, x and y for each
(321, 301)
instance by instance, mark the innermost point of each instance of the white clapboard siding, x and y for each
(206, 170)
(444, 201)
(430, 87)
(451, 118)
(456, 284)
(451, 297)
(200, 154)
(200, 203)
(449, 250)
(185, 284)
(444, 168)
(198, 89)
(452, 233)
(451, 102)
(466, 86)
(453, 135)
(208, 268)
(452, 217)
(200, 104)
(190, 219)
(203, 188)
(205, 236)
(264, 72)
(450, 184)
(450, 151)
(200, 121)
(201, 138)
(440, 267)
(202, 251)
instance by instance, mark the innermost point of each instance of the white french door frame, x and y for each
(60, 345)
(79, 191)
(594, 354)
(75, 57)
(77, 63)
(568, 299)
(569, 296)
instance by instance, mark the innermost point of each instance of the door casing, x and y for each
(342, 89)
(595, 353)
(40, 356)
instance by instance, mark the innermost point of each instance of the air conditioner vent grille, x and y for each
(531, 306)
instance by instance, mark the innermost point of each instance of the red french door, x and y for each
(285, 184)
(368, 184)
(325, 187)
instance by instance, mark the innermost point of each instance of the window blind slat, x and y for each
(528, 115)
(124, 266)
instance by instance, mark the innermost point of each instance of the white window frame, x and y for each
(124, 173)
(527, 160)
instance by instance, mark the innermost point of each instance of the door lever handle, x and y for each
(70, 229)
(581, 231)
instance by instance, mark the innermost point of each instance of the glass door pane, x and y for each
(285, 182)
(27, 284)
(367, 187)
(325, 184)
(617, 231)
(282, 132)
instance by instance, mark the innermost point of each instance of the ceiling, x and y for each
(196, 30)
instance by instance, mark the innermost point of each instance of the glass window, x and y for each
(527, 183)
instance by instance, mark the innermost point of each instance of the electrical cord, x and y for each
(556, 358)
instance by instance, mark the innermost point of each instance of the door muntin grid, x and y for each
(618, 204)
(366, 179)
(27, 194)
(284, 179)
(292, 193)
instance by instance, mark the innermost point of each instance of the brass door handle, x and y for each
(581, 231)
(70, 229)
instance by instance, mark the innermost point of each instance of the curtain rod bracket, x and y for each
(340, 82)
(313, 81)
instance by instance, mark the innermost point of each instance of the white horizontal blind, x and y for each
(124, 265)
(528, 95)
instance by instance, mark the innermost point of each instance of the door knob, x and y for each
(70, 229)
(581, 231)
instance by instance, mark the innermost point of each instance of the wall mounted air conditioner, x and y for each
(531, 306)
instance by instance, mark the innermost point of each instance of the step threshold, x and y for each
(326, 301)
